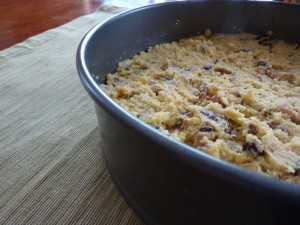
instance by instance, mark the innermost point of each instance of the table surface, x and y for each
(21, 19)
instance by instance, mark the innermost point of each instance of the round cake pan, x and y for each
(164, 181)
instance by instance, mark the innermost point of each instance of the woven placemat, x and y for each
(52, 169)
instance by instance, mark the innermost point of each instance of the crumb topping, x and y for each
(234, 96)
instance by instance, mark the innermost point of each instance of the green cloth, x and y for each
(52, 169)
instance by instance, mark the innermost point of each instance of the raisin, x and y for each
(206, 129)
(297, 171)
(295, 119)
(207, 67)
(273, 125)
(261, 63)
(210, 115)
(266, 42)
(252, 129)
(250, 146)
(237, 94)
(223, 70)
(168, 78)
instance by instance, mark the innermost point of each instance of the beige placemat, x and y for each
(51, 166)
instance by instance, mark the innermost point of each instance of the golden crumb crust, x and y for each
(234, 96)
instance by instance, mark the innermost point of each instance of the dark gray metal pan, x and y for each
(164, 181)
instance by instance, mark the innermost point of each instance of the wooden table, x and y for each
(21, 19)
